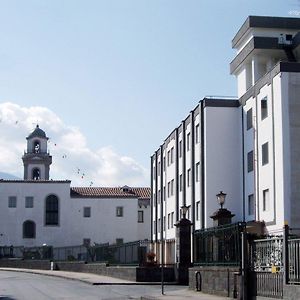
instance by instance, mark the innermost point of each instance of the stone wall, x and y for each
(25, 264)
(141, 274)
(218, 280)
(128, 273)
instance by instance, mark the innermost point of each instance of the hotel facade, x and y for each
(247, 147)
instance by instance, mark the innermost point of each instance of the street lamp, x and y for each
(184, 210)
(221, 198)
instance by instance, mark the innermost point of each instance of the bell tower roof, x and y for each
(38, 132)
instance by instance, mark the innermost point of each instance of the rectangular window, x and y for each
(158, 171)
(119, 211)
(172, 187)
(164, 193)
(119, 241)
(172, 155)
(180, 148)
(28, 202)
(169, 221)
(198, 172)
(168, 157)
(140, 216)
(180, 182)
(158, 197)
(265, 200)
(249, 119)
(250, 161)
(164, 166)
(197, 210)
(86, 242)
(172, 219)
(12, 201)
(158, 225)
(197, 134)
(169, 189)
(251, 205)
(189, 177)
(265, 153)
(188, 142)
(87, 212)
(264, 107)
(164, 224)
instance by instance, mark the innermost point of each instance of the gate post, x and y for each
(244, 263)
(285, 254)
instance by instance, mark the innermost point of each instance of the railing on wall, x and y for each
(294, 261)
(218, 245)
(125, 253)
(41, 252)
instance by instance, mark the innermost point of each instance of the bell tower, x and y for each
(37, 160)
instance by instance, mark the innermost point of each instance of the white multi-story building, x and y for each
(196, 161)
(267, 70)
(248, 147)
(37, 211)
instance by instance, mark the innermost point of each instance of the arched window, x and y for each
(28, 230)
(52, 211)
(36, 147)
(36, 174)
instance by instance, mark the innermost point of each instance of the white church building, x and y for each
(37, 211)
(248, 147)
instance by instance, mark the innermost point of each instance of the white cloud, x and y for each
(72, 159)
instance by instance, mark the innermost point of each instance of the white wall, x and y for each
(11, 219)
(103, 226)
(223, 160)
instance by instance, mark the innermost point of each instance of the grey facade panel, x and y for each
(256, 42)
(220, 103)
(266, 22)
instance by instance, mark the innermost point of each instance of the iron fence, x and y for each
(294, 261)
(218, 245)
(266, 284)
(41, 252)
(125, 253)
(70, 253)
(266, 254)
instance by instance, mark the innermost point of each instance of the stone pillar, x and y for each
(183, 250)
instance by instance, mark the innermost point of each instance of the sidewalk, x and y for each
(95, 279)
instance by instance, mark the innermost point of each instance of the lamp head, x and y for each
(184, 210)
(221, 198)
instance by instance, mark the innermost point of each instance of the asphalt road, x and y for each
(19, 286)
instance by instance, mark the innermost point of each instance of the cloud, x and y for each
(72, 159)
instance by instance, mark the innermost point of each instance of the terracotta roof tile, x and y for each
(111, 192)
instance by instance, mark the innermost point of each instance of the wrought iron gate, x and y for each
(266, 268)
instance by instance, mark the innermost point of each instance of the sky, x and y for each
(109, 80)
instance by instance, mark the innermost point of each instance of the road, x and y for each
(23, 286)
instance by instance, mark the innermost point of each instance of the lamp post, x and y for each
(222, 216)
(221, 198)
(184, 210)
